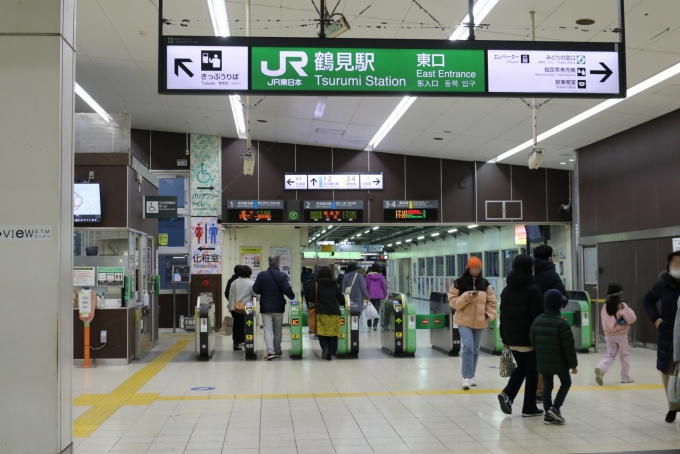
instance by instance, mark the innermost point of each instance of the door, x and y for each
(405, 276)
(590, 271)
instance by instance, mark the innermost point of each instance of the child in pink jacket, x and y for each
(616, 320)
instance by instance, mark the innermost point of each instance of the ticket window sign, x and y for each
(86, 305)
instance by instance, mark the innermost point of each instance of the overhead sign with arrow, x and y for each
(337, 181)
(576, 73)
(191, 66)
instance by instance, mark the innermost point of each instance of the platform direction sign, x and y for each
(390, 67)
(335, 181)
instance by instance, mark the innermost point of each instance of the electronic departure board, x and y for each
(344, 211)
(411, 210)
(252, 211)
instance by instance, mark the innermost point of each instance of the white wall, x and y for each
(490, 240)
(264, 237)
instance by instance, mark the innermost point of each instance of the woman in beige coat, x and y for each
(474, 300)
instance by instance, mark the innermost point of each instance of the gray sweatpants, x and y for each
(272, 332)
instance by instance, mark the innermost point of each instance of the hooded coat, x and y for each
(359, 292)
(547, 278)
(325, 294)
(666, 291)
(553, 341)
(472, 311)
(521, 303)
(376, 286)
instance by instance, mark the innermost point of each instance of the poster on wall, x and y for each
(83, 276)
(206, 246)
(286, 255)
(252, 257)
(205, 175)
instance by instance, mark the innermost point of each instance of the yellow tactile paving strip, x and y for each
(147, 399)
(105, 405)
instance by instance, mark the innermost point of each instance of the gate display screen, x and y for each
(254, 211)
(345, 211)
(411, 210)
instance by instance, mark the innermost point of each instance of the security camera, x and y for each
(536, 156)
(565, 208)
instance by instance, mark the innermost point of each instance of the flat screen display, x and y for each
(534, 233)
(334, 215)
(253, 215)
(411, 214)
(87, 206)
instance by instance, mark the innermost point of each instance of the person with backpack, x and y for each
(272, 285)
(616, 319)
(553, 341)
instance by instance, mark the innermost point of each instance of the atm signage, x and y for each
(390, 67)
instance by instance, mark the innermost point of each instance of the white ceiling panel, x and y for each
(93, 81)
(357, 136)
(397, 140)
(340, 109)
(127, 79)
(374, 111)
(460, 147)
(423, 112)
(464, 113)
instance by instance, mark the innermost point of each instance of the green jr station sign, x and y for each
(367, 70)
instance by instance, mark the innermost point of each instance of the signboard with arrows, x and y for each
(206, 67)
(340, 181)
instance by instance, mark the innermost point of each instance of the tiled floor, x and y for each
(374, 404)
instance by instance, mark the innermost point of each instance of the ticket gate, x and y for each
(491, 337)
(348, 343)
(251, 330)
(398, 325)
(446, 339)
(295, 321)
(577, 312)
(204, 344)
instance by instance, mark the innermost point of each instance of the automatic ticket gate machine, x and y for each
(398, 325)
(348, 343)
(295, 321)
(205, 328)
(446, 339)
(578, 313)
(251, 330)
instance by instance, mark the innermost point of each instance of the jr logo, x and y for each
(283, 57)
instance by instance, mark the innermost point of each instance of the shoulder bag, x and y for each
(674, 386)
(239, 307)
(348, 290)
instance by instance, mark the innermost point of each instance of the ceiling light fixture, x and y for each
(642, 86)
(396, 114)
(220, 23)
(409, 240)
(389, 245)
(93, 104)
(367, 231)
(398, 242)
(435, 234)
(358, 235)
(323, 231)
(320, 107)
(572, 160)
(563, 163)
(420, 238)
(480, 10)
(376, 227)
(472, 226)
(452, 230)
(330, 227)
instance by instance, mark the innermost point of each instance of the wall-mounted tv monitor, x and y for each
(87, 205)
(537, 234)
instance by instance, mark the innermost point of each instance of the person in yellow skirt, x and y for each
(327, 297)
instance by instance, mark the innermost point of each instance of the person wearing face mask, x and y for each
(474, 300)
(666, 292)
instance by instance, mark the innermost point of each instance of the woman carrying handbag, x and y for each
(240, 293)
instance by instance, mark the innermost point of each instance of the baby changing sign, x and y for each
(206, 246)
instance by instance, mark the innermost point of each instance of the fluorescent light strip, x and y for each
(480, 10)
(96, 107)
(220, 23)
(435, 234)
(642, 86)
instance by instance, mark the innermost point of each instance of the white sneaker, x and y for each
(466, 384)
(472, 381)
(630, 380)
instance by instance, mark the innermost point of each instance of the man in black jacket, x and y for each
(272, 285)
(231, 280)
(546, 279)
(545, 275)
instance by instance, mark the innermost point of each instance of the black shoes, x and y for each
(530, 414)
(547, 419)
(670, 416)
(506, 405)
(324, 355)
(237, 348)
(555, 414)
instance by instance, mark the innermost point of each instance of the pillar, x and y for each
(37, 67)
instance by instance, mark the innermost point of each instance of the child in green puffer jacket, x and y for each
(553, 341)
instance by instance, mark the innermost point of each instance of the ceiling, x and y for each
(117, 64)
(389, 234)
